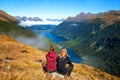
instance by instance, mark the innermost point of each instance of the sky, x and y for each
(56, 8)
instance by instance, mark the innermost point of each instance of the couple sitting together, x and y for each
(58, 63)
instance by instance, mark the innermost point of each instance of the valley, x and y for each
(93, 44)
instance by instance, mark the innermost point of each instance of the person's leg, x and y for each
(69, 69)
(44, 67)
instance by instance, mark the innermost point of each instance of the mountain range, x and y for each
(24, 18)
(96, 39)
(29, 21)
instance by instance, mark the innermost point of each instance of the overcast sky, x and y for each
(56, 8)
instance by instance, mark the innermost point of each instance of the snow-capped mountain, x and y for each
(29, 21)
(24, 18)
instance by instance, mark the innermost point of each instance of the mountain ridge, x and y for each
(24, 18)
(9, 26)
(81, 17)
(6, 17)
(29, 21)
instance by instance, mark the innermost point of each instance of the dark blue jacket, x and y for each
(61, 64)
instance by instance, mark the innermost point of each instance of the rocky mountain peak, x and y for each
(24, 18)
(80, 17)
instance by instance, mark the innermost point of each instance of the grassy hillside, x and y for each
(21, 62)
(18, 61)
(4, 17)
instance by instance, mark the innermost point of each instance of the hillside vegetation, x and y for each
(22, 62)
(97, 40)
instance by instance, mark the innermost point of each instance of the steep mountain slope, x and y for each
(22, 62)
(80, 17)
(4, 17)
(87, 27)
(97, 40)
(9, 26)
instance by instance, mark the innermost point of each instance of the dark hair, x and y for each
(51, 48)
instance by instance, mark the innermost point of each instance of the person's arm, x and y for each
(68, 60)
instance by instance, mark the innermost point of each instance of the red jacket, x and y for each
(51, 61)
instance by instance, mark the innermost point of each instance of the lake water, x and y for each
(74, 57)
(54, 38)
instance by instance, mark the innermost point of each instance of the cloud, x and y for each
(44, 22)
(39, 42)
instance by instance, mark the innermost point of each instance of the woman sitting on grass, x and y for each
(62, 60)
(51, 58)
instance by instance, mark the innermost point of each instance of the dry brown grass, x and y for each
(90, 73)
(6, 17)
(23, 65)
(22, 74)
(3, 19)
(18, 62)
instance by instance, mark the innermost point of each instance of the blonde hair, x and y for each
(63, 53)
